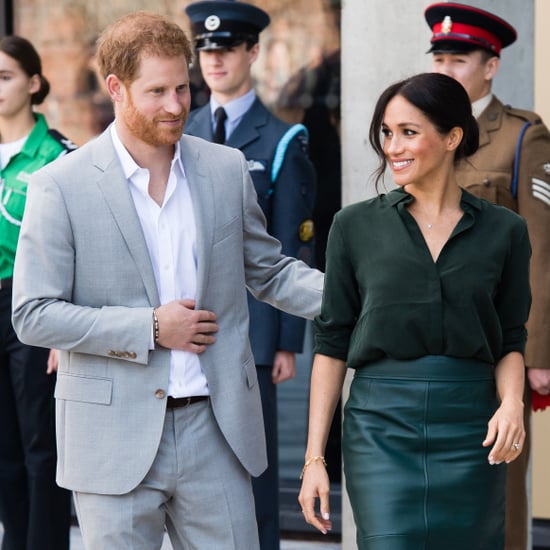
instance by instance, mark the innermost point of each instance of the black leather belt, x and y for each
(5, 283)
(176, 402)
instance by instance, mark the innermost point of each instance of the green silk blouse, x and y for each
(384, 295)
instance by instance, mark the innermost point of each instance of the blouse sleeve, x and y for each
(513, 298)
(341, 301)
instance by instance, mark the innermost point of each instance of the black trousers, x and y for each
(266, 486)
(34, 511)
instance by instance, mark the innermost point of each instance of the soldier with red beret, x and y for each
(510, 168)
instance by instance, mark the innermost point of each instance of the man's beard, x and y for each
(148, 130)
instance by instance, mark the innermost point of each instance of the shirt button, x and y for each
(160, 394)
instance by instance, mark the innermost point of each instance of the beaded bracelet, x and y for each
(155, 327)
(310, 460)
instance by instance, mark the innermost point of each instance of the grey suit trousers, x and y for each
(196, 488)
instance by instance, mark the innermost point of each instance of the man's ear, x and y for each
(254, 52)
(115, 88)
(491, 67)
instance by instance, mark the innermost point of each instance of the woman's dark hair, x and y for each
(441, 99)
(24, 53)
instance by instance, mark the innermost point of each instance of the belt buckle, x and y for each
(188, 402)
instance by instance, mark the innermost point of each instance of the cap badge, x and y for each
(446, 25)
(212, 23)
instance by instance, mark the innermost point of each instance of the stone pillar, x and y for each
(384, 41)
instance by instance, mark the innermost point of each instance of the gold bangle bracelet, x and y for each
(310, 460)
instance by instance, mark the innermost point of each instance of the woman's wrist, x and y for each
(311, 460)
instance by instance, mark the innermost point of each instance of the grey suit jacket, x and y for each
(84, 284)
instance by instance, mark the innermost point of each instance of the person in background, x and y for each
(145, 241)
(226, 34)
(34, 511)
(428, 305)
(510, 168)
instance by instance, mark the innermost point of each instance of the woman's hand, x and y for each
(315, 484)
(506, 432)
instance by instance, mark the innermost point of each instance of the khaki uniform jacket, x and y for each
(488, 174)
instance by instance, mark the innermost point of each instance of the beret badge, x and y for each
(446, 25)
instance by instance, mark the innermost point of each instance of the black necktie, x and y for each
(219, 131)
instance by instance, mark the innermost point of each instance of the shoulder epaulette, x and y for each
(528, 116)
(66, 143)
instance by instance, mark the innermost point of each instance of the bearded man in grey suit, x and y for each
(134, 258)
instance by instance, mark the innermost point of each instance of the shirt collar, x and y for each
(400, 195)
(129, 165)
(481, 104)
(36, 136)
(236, 108)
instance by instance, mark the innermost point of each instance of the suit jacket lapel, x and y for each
(202, 194)
(114, 188)
(247, 130)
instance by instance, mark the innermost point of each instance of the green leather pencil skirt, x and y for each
(416, 473)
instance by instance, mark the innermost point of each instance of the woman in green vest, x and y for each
(34, 511)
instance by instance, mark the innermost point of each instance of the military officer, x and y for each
(226, 35)
(510, 168)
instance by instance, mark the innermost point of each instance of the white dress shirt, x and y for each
(170, 234)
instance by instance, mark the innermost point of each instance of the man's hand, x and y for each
(184, 328)
(284, 366)
(53, 361)
(539, 380)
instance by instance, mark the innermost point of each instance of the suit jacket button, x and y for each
(160, 394)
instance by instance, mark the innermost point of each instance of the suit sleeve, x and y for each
(43, 294)
(534, 206)
(292, 210)
(281, 281)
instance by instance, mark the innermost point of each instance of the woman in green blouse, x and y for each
(426, 298)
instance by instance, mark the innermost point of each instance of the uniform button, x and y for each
(160, 394)
(486, 182)
(113, 353)
(132, 354)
